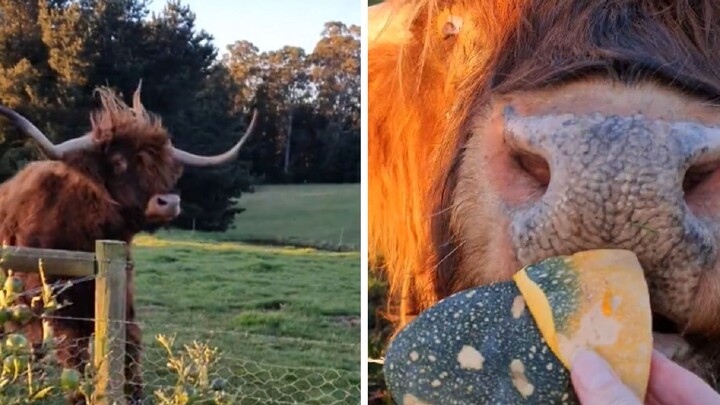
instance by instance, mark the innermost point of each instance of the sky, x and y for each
(300, 22)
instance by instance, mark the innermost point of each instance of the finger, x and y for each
(596, 384)
(672, 384)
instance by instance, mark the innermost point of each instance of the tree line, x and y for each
(53, 53)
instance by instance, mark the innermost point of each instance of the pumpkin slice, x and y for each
(594, 300)
(512, 342)
(479, 346)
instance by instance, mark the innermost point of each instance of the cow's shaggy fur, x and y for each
(90, 195)
(435, 66)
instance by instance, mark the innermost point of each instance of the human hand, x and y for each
(596, 384)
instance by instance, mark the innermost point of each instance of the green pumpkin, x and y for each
(489, 345)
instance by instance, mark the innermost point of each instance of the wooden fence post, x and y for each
(109, 347)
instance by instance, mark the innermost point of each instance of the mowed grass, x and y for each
(318, 215)
(285, 319)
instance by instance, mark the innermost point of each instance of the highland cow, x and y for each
(504, 132)
(111, 183)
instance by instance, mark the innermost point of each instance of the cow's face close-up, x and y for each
(504, 133)
(138, 163)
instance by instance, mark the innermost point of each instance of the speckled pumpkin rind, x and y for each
(479, 346)
(488, 344)
(598, 300)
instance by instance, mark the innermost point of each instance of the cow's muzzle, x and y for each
(162, 208)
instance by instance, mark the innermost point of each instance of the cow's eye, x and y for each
(119, 164)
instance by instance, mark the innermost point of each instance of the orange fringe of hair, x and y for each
(117, 119)
(418, 81)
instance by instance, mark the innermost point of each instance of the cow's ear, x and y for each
(119, 163)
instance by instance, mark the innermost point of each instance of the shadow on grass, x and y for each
(299, 243)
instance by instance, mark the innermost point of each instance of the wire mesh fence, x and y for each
(177, 364)
(243, 380)
(244, 374)
(183, 369)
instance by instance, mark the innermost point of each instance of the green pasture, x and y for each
(324, 215)
(285, 319)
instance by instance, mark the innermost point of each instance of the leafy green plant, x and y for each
(31, 375)
(192, 370)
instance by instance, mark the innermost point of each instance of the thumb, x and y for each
(596, 384)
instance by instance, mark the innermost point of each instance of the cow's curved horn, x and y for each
(137, 104)
(204, 161)
(52, 151)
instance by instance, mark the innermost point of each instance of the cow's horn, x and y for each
(204, 161)
(52, 151)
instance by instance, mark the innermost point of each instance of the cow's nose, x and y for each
(167, 199)
(163, 207)
(616, 182)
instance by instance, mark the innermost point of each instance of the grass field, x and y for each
(322, 215)
(285, 319)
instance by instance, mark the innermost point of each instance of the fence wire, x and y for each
(181, 365)
(192, 368)
(246, 381)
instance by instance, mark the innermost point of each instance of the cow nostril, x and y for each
(662, 324)
(535, 166)
(161, 201)
(696, 175)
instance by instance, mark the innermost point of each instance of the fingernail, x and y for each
(592, 371)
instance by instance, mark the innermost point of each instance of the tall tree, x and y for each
(243, 63)
(310, 104)
(335, 67)
(23, 65)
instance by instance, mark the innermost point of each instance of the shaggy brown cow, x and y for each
(503, 132)
(111, 183)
